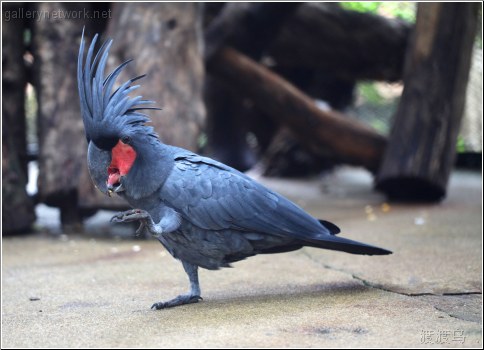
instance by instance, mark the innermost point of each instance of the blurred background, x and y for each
(282, 90)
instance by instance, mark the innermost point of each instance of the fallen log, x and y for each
(348, 139)
(350, 44)
(421, 152)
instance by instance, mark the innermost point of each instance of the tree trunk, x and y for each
(62, 145)
(421, 152)
(17, 206)
(230, 114)
(351, 45)
(347, 139)
(167, 46)
(14, 80)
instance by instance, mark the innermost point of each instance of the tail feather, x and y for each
(345, 245)
(333, 229)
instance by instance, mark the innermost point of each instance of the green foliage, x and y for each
(461, 145)
(31, 109)
(27, 37)
(376, 103)
(202, 140)
(368, 91)
(402, 10)
(366, 6)
(478, 41)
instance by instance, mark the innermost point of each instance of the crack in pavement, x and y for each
(382, 288)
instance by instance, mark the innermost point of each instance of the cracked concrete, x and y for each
(419, 265)
(89, 291)
(467, 307)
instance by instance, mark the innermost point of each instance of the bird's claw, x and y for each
(130, 215)
(141, 228)
(179, 300)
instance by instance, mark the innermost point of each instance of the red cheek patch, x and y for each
(122, 159)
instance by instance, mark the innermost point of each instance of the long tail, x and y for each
(345, 245)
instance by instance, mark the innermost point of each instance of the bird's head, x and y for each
(121, 147)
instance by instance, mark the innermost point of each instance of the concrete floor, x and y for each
(89, 291)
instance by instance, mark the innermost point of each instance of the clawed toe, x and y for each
(141, 228)
(179, 300)
(130, 215)
(158, 306)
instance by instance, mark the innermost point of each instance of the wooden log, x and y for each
(62, 143)
(421, 152)
(223, 26)
(227, 126)
(17, 207)
(261, 23)
(287, 157)
(351, 45)
(230, 114)
(166, 45)
(348, 139)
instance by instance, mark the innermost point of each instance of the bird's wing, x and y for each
(214, 196)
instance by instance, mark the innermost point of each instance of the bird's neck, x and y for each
(153, 164)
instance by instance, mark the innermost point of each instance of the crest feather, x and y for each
(105, 113)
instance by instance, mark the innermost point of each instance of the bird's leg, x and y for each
(193, 296)
(138, 215)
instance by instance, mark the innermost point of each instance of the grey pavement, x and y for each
(85, 290)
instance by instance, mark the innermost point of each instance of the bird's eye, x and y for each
(126, 139)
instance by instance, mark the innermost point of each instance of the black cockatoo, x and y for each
(205, 213)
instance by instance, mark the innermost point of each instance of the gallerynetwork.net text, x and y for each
(39, 15)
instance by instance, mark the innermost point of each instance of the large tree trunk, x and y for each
(231, 115)
(17, 206)
(62, 145)
(421, 152)
(165, 41)
(166, 45)
(14, 80)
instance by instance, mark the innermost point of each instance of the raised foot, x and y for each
(130, 215)
(179, 300)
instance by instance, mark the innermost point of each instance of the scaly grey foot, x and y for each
(130, 215)
(179, 300)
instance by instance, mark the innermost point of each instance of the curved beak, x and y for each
(116, 188)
